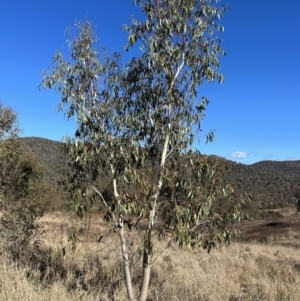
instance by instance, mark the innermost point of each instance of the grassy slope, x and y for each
(262, 265)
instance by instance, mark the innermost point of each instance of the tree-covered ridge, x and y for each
(289, 166)
(271, 184)
(51, 155)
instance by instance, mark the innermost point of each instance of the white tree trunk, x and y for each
(126, 266)
(145, 283)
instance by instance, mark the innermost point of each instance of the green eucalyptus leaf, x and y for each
(134, 151)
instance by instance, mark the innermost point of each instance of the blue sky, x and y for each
(255, 112)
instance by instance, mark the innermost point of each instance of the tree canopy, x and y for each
(139, 122)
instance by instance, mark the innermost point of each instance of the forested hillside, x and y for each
(271, 184)
(51, 155)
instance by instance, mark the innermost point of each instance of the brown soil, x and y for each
(283, 230)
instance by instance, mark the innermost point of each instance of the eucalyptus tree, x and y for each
(138, 123)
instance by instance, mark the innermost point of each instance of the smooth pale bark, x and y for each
(120, 226)
(145, 283)
(126, 266)
(147, 244)
(146, 266)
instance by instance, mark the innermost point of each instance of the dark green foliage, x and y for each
(20, 193)
(20, 185)
(57, 168)
(271, 184)
(51, 155)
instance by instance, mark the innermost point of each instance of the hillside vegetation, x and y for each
(271, 184)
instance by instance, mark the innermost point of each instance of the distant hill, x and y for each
(270, 183)
(285, 166)
(50, 154)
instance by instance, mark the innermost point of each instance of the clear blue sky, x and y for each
(255, 112)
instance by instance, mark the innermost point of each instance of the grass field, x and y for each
(263, 264)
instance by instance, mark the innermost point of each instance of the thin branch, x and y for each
(138, 171)
(163, 251)
(115, 188)
(114, 183)
(176, 74)
(202, 223)
(173, 148)
(164, 152)
(103, 200)
(101, 196)
(139, 218)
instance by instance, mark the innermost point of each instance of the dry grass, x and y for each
(239, 272)
(15, 286)
(265, 265)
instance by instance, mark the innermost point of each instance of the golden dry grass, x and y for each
(264, 265)
(14, 286)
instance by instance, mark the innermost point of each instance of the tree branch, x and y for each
(163, 251)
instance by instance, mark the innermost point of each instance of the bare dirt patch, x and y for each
(281, 230)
